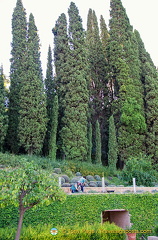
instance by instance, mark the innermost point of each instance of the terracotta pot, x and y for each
(131, 236)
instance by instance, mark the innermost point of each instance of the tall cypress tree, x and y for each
(17, 70)
(97, 143)
(53, 131)
(149, 78)
(3, 112)
(112, 146)
(97, 75)
(74, 132)
(125, 85)
(50, 92)
(61, 55)
(97, 66)
(32, 120)
(89, 137)
(104, 35)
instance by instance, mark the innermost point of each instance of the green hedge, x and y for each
(78, 209)
(85, 232)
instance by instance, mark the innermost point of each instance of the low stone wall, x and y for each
(118, 189)
(152, 238)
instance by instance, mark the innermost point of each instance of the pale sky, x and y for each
(143, 15)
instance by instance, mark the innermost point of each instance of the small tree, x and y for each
(26, 187)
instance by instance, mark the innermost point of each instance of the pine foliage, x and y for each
(149, 78)
(89, 137)
(97, 143)
(50, 93)
(112, 146)
(3, 111)
(101, 104)
(61, 54)
(125, 83)
(32, 121)
(53, 131)
(74, 131)
(97, 67)
(17, 72)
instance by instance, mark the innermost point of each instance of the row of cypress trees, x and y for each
(100, 105)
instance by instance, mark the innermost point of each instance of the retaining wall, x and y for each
(115, 189)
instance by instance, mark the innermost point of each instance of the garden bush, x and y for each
(141, 169)
(87, 208)
(85, 232)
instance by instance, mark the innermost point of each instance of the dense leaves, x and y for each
(26, 187)
(98, 73)
(74, 131)
(17, 73)
(141, 169)
(32, 113)
(3, 110)
(50, 93)
(63, 214)
(112, 146)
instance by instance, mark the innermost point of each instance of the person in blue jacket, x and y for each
(82, 182)
(73, 189)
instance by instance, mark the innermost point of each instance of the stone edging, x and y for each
(115, 189)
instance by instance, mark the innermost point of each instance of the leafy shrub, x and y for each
(99, 183)
(57, 170)
(156, 230)
(78, 174)
(97, 177)
(75, 179)
(92, 184)
(85, 232)
(141, 169)
(86, 168)
(90, 178)
(87, 208)
(67, 179)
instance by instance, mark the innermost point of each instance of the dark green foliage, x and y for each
(32, 119)
(156, 230)
(149, 77)
(74, 130)
(140, 168)
(63, 214)
(61, 53)
(3, 111)
(97, 143)
(98, 91)
(112, 146)
(98, 73)
(84, 232)
(125, 83)
(53, 131)
(50, 92)
(26, 187)
(97, 67)
(17, 72)
(89, 137)
(104, 35)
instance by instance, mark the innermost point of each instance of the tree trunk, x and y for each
(22, 211)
